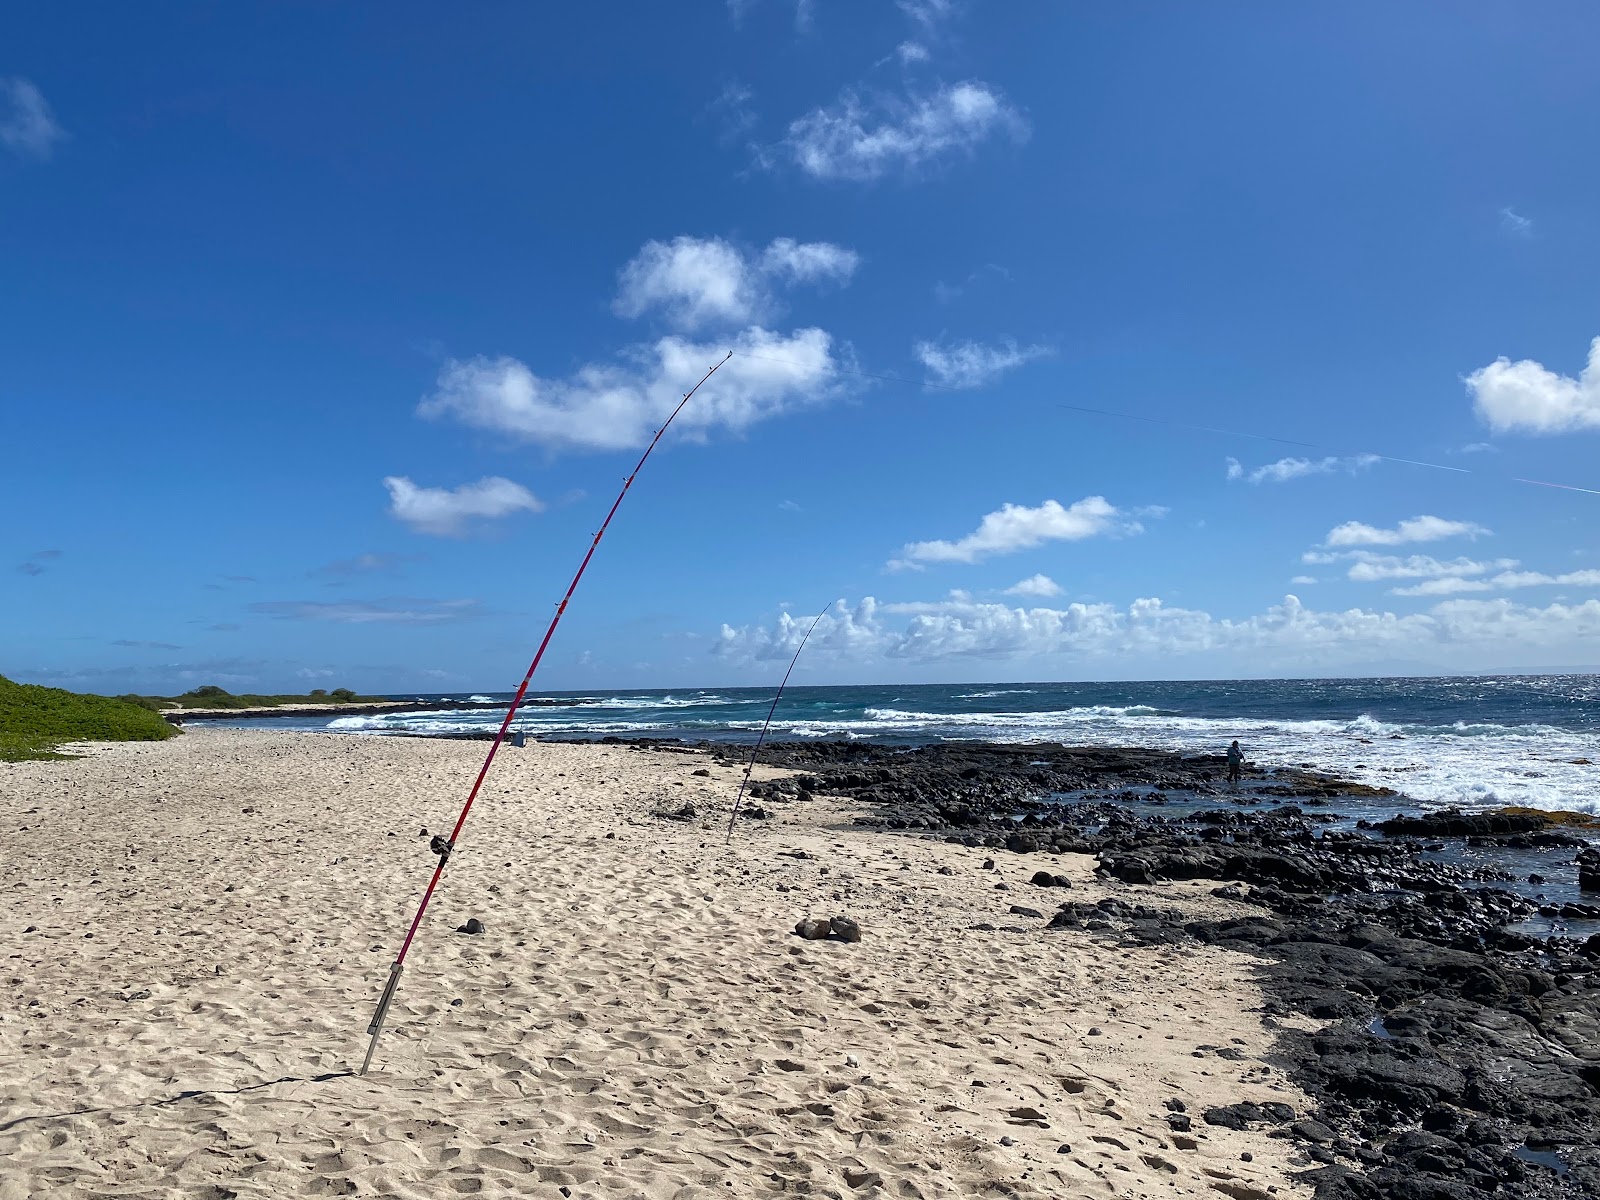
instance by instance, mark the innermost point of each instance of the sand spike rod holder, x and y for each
(443, 846)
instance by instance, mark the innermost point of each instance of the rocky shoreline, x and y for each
(1460, 1059)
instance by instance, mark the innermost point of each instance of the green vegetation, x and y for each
(35, 720)
(211, 696)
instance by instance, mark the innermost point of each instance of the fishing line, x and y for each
(765, 725)
(444, 846)
(1176, 424)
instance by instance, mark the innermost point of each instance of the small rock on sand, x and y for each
(845, 929)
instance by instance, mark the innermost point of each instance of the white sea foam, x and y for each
(1470, 763)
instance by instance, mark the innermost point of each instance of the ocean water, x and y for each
(1475, 742)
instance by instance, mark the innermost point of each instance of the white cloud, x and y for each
(1514, 223)
(1035, 585)
(447, 511)
(1147, 630)
(972, 364)
(1525, 396)
(857, 141)
(694, 282)
(1447, 585)
(27, 126)
(1304, 579)
(927, 13)
(1521, 579)
(1286, 469)
(1372, 568)
(809, 262)
(396, 611)
(1417, 529)
(612, 406)
(911, 52)
(1504, 581)
(1016, 527)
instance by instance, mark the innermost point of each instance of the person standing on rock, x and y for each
(1235, 762)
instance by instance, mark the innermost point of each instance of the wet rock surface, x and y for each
(1461, 1059)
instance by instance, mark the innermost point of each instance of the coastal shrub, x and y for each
(35, 720)
(343, 695)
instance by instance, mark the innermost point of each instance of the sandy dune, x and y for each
(195, 932)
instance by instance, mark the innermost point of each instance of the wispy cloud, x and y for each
(947, 292)
(34, 564)
(139, 645)
(1016, 527)
(1505, 581)
(27, 126)
(973, 364)
(392, 611)
(734, 111)
(449, 511)
(1525, 397)
(928, 13)
(364, 564)
(1416, 529)
(1514, 223)
(1286, 469)
(861, 140)
(1368, 567)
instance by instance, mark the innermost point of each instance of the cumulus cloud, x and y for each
(1523, 396)
(1303, 579)
(448, 511)
(1148, 629)
(27, 126)
(1016, 527)
(1286, 469)
(1035, 585)
(614, 406)
(859, 141)
(1417, 529)
(972, 364)
(693, 282)
(841, 632)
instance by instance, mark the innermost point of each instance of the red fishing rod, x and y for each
(744, 783)
(444, 846)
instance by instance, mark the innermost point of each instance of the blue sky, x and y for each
(327, 334)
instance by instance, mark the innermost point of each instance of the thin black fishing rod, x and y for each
(444, 846)
(767, 724)
(1233, 433)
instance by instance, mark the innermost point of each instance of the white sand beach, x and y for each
(195, 933)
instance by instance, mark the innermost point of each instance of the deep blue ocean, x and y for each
(1531, 740)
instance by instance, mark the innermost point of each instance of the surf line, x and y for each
(444, 846)
(744, 783)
